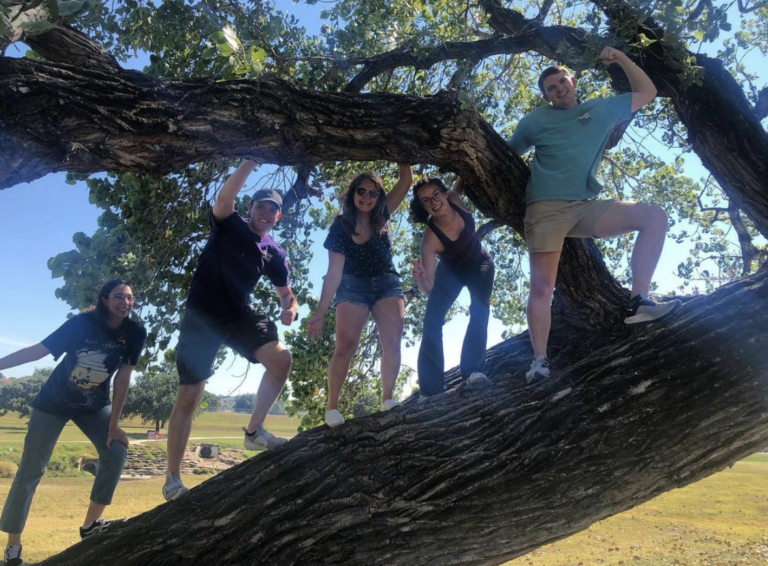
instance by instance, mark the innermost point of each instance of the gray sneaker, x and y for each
(262, 439)
(644, 309)
(173, 488)
(539, 369)
(13, 555)
(478, 380)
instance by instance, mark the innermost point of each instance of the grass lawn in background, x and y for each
(719, 521)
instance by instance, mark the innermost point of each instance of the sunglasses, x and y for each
(360, 191)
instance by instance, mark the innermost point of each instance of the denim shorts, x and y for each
(366, 291)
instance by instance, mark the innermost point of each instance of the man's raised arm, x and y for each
(225, 201)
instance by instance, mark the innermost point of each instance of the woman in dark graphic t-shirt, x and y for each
(97, 343)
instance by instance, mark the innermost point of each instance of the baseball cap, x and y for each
(270, 195)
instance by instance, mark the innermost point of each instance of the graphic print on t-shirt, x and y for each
(92, 367)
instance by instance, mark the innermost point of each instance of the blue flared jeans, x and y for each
(449, 281)
(43, 432)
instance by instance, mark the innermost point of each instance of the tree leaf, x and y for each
(42, 25)
(70, 7)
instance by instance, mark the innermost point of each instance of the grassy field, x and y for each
(720, 521)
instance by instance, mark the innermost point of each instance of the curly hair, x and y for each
(348, 211)
(419, 214)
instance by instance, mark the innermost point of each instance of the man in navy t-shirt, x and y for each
(238, 252)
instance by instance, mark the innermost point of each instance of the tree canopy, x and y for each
(437, 83)
(467, 65)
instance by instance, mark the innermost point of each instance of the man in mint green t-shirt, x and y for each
(569, 138)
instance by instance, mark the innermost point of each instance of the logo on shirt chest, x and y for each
(266, 254)
(584, 119)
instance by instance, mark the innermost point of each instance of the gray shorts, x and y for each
(201, 335)
(366, 291)
(549, 222)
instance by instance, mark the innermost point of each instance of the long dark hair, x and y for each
(419, 214)
(348, 213)
(99, 311)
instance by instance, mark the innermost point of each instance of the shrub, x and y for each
(7, 469)
(203, 471)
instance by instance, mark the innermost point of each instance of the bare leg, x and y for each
(14, 539)
(388, 315)
(350, 319)
(276, 360)
(543, 275)
(95, 510)
(180, 424)
(650, 221)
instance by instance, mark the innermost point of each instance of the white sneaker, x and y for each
(333, 418)
(173, 488)
(388, 404)
(478, 380)
(262, 439)
(539, 369)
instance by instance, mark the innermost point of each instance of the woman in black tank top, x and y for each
(450, 234)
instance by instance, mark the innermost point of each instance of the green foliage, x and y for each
(17, 395)
(64, 461)
(151, 230)
(153, 395)
(210, 402)
(244, 403)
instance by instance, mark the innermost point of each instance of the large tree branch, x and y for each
(478, 479)
(425, 58)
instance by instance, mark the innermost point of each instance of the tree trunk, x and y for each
(480, 478)
(157, 427)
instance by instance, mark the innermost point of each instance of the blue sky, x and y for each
(38, 220)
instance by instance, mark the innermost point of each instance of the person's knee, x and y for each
(479, 309)
(541, 289)
(390, 342)
(282, 362)
(346, 346)
(656, 219)
(189, 398)
(116, 454)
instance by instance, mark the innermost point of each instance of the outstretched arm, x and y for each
(398, 192)
(24, 356)
(225, 201)
(330, 285)
(643, 89)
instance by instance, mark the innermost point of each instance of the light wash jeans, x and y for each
(43, 432)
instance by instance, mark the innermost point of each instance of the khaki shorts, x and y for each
(549, 222)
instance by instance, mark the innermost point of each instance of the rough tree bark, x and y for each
(466, 478)
(480, 478)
